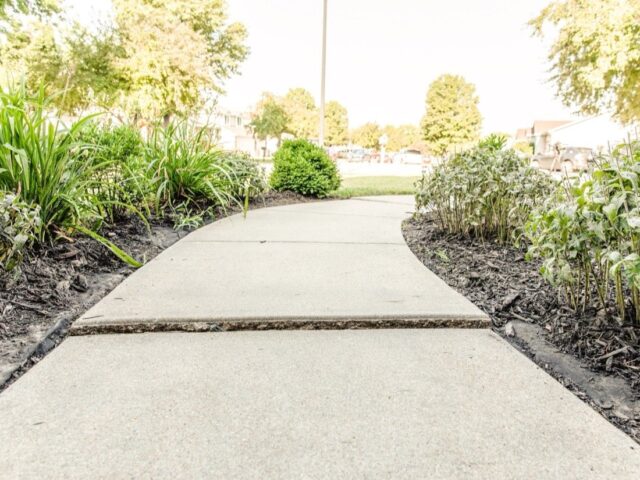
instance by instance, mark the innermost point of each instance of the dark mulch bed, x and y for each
(499, 280)
(59, 282)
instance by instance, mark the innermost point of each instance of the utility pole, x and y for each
(324, 68)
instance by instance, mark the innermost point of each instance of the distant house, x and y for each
(597, 133)
(234, 132)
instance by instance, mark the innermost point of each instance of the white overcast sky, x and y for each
(382, 55)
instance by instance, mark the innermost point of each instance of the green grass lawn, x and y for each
(364, 186)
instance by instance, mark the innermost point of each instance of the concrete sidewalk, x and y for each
(384, 403)
(324, 264)
(413, 404)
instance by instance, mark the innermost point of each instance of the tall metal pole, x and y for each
(324, 69)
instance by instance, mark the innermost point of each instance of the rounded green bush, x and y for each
(302, 167)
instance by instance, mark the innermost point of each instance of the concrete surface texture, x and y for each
(333, 261)
(418, 404)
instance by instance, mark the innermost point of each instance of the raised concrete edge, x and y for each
(124, 325)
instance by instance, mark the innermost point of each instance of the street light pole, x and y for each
(324, 68)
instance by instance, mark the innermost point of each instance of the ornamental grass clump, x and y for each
(302, 167)
(590, 241)
(487, 192)
(42, 163)
(185, 170)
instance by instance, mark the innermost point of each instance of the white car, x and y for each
(409, 156)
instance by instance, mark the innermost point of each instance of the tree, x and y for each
(159, 58)
(367, 135)
(270, 119)
(336, 121)
(302, 112)
(32, 53)
(595, 57)
(35, 7)
(175, 52)
(402, 136)
(452, 118)
(77, 66)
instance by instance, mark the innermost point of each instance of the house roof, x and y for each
(523, 133)
(543, 126)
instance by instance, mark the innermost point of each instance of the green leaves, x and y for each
(19, 227)
(452, 119)
(299, 166)
(64, 179)
(122, 255)
(594, 231)
(595, 54)
(485, 192)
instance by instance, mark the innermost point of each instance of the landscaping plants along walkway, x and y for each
(375, 403)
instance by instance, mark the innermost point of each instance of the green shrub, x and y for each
(300, 166)
(590, 241)
(485, 192)
(249, 179)
(120, 181)
(19, 227)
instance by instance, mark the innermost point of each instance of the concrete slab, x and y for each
(436, 404)
(338, 264)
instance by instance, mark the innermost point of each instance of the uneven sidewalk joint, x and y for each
(257, 324)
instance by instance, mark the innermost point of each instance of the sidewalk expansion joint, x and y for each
(123, 326)
(302, 242)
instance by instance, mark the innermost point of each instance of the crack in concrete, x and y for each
(304, 242)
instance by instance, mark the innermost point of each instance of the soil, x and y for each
(59, 282)
(591, 353)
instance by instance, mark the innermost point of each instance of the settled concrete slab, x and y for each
(338, 264)
(436, 404)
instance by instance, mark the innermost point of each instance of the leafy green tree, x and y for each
(174, 51)
(78, 66)
(159, 58)
(401, 136)
(367, 135)
(35, 7)
(270, 120)
(336, 121)
(302, 112)
(452, 118)
(33, 54)
(595, 55)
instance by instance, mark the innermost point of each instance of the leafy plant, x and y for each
(484, 192)
(302, 167)
(19, 227)
(590, 241)
(184, 167)
(45, 165)
(249, 179)
(120, 177)
(42, 163)
(494, 142)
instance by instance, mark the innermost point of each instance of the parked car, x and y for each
(409, 156)
(569, 159)
(359, 155)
